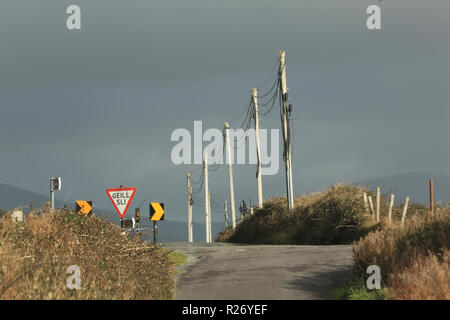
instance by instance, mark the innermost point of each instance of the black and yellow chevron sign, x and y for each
(156, 211)
(83, 207)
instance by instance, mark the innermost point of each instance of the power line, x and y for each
(242, 112)
(270, 90)
(268, 77)
(196, 170)
(273, 100)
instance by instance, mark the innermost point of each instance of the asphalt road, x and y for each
(257, 272)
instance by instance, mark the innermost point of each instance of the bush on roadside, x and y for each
(404, 254)
(333, 216)
(394, 248)
(428, 277)
(35, 254)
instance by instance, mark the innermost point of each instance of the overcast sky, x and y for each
(97, 106)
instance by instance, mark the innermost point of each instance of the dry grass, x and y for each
(35, 254)
(427, 278)
(413, 260)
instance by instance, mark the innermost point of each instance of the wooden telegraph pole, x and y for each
(431, 199)
(286, 133)
(230, 174)
(226, 214)
(205, 168)
(189, 201)
(258, 147)
(209, 217)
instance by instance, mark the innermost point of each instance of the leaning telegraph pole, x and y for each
(209, 217)
(258, 147)
(226, 214)
(286, 132)
(205, 174)
(189, 201)
(230, 174)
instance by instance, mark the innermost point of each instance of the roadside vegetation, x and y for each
(35, 255)
(333, 216)
(178, 258)
(356, 290)
(414, 259)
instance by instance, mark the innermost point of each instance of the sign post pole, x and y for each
(156, 214)
(431, 199)
(52, 196)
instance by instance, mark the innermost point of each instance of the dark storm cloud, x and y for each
(98, 105)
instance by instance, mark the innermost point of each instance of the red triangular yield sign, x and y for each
(121, 199)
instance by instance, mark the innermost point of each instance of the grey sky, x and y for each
(97, 106)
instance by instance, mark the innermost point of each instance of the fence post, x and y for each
(404, 211)
(366, 205)
(371, 207)
(378, 204)
(390, 208)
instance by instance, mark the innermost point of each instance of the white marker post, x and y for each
(366, 205)
(378, 204)
(371, 207)
(391, 205)
(405, 208)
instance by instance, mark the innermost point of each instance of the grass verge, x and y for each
(357, 291)
(178, 258)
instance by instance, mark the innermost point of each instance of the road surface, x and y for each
(257, 272)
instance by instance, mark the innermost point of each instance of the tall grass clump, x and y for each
(35, 255)
(413, 260)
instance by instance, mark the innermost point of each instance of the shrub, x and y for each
(413, 260)
(377, 248)
(332, 216)
(427, 278)
(35, 254)
(393, 249)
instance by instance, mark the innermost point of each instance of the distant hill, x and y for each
(414, 185)
(13, 197)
